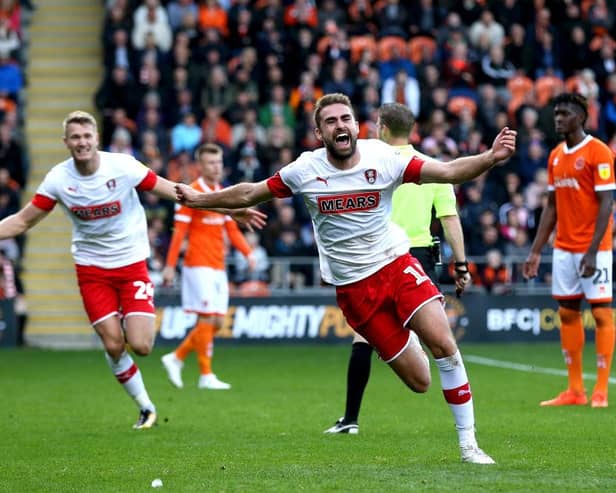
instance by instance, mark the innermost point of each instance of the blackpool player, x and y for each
(581, 186)
(382, 290)
(98, 192)
(205, 288)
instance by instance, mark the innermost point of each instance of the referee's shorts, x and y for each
(426, 259)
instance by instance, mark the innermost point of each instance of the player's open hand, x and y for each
(530, 269)
(250, 217)
(503, 146)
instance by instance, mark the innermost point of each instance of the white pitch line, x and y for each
(480, 360)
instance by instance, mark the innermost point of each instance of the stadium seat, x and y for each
(458, 103)
(359, 44)
(422, 48)
(386, 45)
(546, 87)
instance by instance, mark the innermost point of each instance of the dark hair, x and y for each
(398, 118)
(574, 99)
(327, 100)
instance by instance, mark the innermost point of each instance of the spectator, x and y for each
(216, 91)
(340, 81)
(396, 60)
(486, 33)
(301, 13)
(249, 123)
(401, 88)
(260, 272)
(186, 135)
(151, 18)
(120, 53)
(121, 142)
(248, 160)
(495, 69)
(213, 16)
(517, 51)
(495, 275)
(215, 129)
(393, 19)
(577, 51)
(11, 76)
(177, 10)
(119, 90)
(277, 104)
(12, 156)
(9, 40)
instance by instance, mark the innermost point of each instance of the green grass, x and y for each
(65, 426)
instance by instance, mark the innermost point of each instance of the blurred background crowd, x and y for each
(245, 74)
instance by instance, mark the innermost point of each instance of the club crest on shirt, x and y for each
(370, 175)
(579, 163)
(605, 171)
(111, 184)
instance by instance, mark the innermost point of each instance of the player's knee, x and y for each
(114, 348)
(443, 346)
(142, 348)
(420, 385)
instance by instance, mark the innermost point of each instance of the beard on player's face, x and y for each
(342, 146)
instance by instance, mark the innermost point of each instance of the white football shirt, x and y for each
(109, 223)
(351, 209)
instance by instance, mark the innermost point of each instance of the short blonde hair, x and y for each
(79, 117)
(208, 148)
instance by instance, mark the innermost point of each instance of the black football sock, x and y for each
(357, 378)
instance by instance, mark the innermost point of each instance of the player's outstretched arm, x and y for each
(235, 197)
(21, 221)
(468, 167)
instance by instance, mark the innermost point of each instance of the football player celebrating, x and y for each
(98, 192)
(382, 290)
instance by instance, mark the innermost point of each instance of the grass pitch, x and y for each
(65, 426)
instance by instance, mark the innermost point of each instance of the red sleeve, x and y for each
(411, 173)
(148, 182)
(278, 187)
(43, 202)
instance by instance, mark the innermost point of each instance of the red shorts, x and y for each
(381, 305)
(107, 292)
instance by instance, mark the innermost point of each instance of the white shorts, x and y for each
(205, 290)
(568, 284)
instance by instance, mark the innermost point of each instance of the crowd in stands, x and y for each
(14, 163)
(245, 74)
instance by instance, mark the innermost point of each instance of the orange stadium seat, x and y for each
(522, 90)
(519, 86)
(546, 87)
(386, 45)
(359, 44)
(458, 103)
(421, 48)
